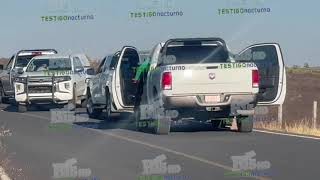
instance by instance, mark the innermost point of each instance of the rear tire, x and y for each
(1, 94)
(216, 124)
(72, 105)
(84, 103)
(92, 112)
(108, 106)
(162, 125)
(245, 124)
(22, 108)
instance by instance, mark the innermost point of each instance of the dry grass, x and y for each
(301, 128)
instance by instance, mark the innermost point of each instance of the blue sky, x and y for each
(292, 24)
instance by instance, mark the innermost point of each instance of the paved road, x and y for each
(114, 151)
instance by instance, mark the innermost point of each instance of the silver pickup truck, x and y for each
(10, 71)
(199, 79)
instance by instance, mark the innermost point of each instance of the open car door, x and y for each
(269, 60)
(124, 87)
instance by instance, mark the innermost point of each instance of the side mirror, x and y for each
(91, 71)
(79, 69)
(20, 70)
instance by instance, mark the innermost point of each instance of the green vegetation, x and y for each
(304, 70)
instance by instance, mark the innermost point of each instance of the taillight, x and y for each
(255, 78)
(167, 81)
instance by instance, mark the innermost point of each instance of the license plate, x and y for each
(212, 99)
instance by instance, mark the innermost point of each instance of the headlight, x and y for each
(67, 86)
(18, 87)
(20, 79)
(62, 78)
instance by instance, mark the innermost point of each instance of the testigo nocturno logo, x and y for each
(243, 7)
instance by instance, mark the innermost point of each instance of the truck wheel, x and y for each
(1, 94)
(72, 105)
(137, 116)
(162, 125)
(84, 103)
(216, 124)
(245, 124)
(108, 106)
(22, 108)
(92, 112)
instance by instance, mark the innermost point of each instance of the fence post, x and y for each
(280, 120)
(315, 105)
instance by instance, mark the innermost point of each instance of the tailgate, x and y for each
(212, 78)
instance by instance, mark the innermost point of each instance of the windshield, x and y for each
(197, 54)
(63, 64)
(22, 61)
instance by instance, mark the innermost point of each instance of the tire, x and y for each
(108, 106)
(216, 124)
(245, 124)
(92, 112)
(137, 117)
(72, 105)
(84, 103)
(22, 108)
(162, 125)
(1, 94)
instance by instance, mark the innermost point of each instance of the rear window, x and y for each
(197, 54)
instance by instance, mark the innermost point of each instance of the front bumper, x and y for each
(46, 92)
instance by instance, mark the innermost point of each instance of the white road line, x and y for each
(195, 158)
(3, 175)
(285, 134)
(255, 130)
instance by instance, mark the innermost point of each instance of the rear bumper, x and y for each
(194, 101)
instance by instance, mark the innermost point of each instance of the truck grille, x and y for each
(40, 79)
(40, 89)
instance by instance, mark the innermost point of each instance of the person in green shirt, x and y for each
(140, 78)
(142, 70)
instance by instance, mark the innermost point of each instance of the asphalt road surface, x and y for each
(115, 151)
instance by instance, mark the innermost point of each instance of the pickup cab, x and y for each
(10, 72)
(198, 78)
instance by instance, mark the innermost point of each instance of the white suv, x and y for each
(54, 79)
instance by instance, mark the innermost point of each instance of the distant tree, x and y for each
(295, 66)
(306, 65)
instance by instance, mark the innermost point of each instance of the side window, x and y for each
(107, 64)
(77, 63)
(9, 65)
(114, 61)
(101, 66)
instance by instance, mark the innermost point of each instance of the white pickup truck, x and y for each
(58, 79)
(112, 88)
(198, 78)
